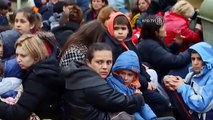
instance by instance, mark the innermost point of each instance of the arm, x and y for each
(10, 83)
(34, 92)
(106, 98)
(200, 100)
(167, 59)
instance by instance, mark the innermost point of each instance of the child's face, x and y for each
(97, 4)
(101, 62)
(127, 76)
(197, 62)
(1, 49)
(22, 24)
(121, 32)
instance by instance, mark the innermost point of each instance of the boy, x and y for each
(197, 88)
(124, 78)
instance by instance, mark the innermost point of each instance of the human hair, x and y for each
(39, 22)
(151, 25)
(47, 37)
(96, 47)
(105, 1)
(87, 34)
(76, 14)
(183, 8)
(69, 2)
(31, 16)
(33, 46)
(105, 12)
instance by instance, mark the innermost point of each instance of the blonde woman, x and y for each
(41, 82)
(177, 22)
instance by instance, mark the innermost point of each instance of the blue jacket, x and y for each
(9, 39)
(199, 96)
(128, 60)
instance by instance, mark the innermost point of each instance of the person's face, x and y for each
(143, 5)
(1, 49)
(120, 32)
(127, 76)
(23, 59)
(101, 62)
(197, 62)
(97, 4)
(22, 24)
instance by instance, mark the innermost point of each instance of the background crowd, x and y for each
(104, 60)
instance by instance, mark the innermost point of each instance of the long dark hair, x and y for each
(151, 25)
(87, 34)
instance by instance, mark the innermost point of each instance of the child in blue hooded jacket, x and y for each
(124, 78)
(10, 82)
(197, 87)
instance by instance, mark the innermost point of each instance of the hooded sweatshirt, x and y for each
(9, 39)
(199, 95)
(129, 61)
(126, 44)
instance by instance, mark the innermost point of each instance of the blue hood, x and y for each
(12, 69)
(9, 39)
(205, 51)
(127, 60)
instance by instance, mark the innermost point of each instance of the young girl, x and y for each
(26, 21)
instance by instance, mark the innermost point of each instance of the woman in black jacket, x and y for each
(89, 97)
(42, 83)
(153, 50)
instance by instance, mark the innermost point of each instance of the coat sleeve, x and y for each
(164, 58)
(197, 101)
(29, 100)
(106, 98)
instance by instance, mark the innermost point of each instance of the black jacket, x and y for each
(89, 97)
(42, 86)
(160, 58)
(62, 33)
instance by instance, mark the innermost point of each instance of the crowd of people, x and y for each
(104, 60)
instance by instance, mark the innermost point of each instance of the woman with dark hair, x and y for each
(95, 7)
(76, 46)
(153, 50)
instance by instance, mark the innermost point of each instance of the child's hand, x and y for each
(10, 100)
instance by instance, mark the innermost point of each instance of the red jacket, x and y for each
(174, 23)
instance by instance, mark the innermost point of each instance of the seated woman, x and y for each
(153, 50)
(41, 95)
(197, 88)
(93, 97)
